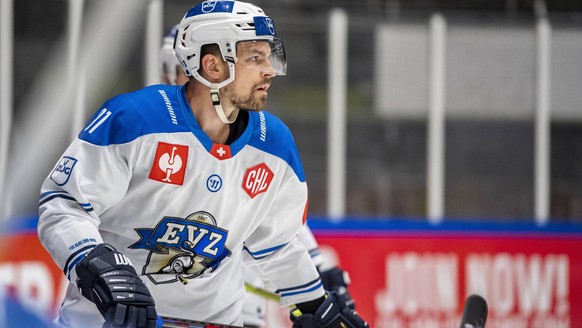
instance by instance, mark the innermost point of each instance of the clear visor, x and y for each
(263, 55)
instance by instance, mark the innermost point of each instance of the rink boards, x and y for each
(404, 273)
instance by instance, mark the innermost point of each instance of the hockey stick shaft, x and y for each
(169, 322)
(262, 292)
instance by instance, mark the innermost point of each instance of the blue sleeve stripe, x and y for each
(47, 196)
(257, 257)
(56, 196)
(315, 281)
(86, 206)
(319, 285)
(68, 269)
(314, 252)
(52, 192)
(76, 258)
(263, 253)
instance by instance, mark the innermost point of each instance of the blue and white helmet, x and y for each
(168, 56)
(225, 23)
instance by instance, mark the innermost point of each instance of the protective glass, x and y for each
(263, 55)
(278, 57)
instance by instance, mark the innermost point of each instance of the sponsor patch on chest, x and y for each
(169, 164)
(257, 179)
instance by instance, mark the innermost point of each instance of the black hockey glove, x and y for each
(332, 313)
(337, 280)
(107, 278)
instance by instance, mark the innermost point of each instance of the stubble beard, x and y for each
(252, 102)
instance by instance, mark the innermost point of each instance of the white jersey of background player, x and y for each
(165, 192)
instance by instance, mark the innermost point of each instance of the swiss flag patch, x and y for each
(221, 151)
(257, 179)
(169, 163)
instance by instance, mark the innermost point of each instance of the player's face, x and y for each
(253, 73)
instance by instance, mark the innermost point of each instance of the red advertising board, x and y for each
(28, 274)
(421, 278)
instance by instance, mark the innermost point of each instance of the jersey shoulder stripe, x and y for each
(271, 135)
(126, 117)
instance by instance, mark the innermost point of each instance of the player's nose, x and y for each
(267, 70)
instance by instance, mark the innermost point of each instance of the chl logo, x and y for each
(257, 179)
(169, 163)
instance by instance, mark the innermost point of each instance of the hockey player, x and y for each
(333, 277)
(168, 189)
(172, 72)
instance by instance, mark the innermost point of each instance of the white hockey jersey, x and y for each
(144, 177)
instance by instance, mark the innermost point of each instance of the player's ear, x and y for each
(213, 67)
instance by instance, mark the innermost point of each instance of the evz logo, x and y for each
(181, 249)
(63, 170)
(169, 163)
(208, 6)
(257, 179)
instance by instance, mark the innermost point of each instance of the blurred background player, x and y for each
(132, 211)
(172, 72)
(332, 276)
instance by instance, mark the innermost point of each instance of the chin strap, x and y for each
(216, 98)
(218, 107)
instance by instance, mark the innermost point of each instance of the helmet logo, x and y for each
(208, 6)
(270, 25)
(264, 26)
